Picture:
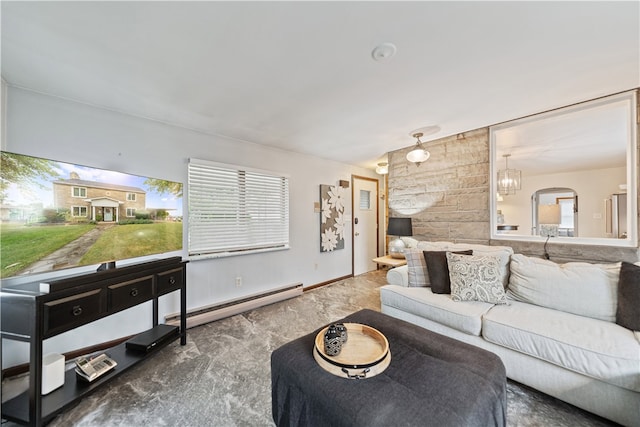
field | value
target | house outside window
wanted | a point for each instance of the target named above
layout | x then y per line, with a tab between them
99	198
79	211
79	192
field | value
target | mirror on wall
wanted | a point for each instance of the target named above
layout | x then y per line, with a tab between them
585	152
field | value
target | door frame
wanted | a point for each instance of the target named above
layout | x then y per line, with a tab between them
353	239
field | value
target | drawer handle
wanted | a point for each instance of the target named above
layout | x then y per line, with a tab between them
172	280
134	292
77	310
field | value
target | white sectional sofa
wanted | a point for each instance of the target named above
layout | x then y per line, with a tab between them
554	328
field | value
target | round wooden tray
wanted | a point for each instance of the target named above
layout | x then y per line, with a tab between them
364	355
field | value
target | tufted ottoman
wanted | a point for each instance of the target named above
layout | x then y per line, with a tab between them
432	380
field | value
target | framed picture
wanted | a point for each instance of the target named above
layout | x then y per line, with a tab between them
332	201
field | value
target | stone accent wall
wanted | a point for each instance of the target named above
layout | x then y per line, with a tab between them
447	196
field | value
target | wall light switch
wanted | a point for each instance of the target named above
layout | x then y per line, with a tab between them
316	207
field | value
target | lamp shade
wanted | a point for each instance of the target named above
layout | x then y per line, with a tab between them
400	227
549	214
418	155
382	168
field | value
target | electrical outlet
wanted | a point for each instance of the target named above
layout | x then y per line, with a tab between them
238	281
315	266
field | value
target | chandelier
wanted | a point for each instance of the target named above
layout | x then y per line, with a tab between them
509	180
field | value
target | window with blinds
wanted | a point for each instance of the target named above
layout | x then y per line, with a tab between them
365	200
235	210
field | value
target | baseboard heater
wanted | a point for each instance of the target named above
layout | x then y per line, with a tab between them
202	315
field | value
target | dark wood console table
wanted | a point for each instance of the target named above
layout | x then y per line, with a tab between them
32	314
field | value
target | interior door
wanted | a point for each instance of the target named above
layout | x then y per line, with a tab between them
365	224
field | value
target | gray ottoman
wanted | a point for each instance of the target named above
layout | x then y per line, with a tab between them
432	380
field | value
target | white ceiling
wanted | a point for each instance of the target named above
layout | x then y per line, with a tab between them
300	75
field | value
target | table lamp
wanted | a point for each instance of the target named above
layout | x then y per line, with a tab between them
549	219
398	227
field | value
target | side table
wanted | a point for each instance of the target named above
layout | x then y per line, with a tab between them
389	261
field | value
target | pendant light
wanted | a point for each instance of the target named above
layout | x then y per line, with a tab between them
382	168
509	180
418	154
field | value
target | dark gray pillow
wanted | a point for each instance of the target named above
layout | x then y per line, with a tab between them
438	270
628	313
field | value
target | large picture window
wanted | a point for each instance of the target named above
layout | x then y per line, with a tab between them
235	210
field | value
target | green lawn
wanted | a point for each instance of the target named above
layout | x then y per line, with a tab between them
132	240
20	245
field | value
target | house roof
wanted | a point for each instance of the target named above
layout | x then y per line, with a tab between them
101	185
303	76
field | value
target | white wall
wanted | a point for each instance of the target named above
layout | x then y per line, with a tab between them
67	131
592	188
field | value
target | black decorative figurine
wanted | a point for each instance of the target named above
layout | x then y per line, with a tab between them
343	331
333	340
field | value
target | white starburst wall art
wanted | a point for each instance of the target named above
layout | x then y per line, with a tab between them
332	200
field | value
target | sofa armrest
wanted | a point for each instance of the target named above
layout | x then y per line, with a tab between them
398	276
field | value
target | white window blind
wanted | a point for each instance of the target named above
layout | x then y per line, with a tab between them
365	200
235	210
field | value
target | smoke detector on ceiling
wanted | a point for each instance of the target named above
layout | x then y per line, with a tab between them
383	52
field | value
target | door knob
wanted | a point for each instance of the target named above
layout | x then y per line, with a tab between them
357	234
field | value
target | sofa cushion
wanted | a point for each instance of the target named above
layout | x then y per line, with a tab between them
417	266
398	276
628	312
409	242
438	270
503	253
597	349
575	287
475	278
463	316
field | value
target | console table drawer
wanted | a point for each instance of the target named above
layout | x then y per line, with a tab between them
170	280
73	311
127	294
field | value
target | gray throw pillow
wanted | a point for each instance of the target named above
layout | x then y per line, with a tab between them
438	270
628	312
416	268
476	278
